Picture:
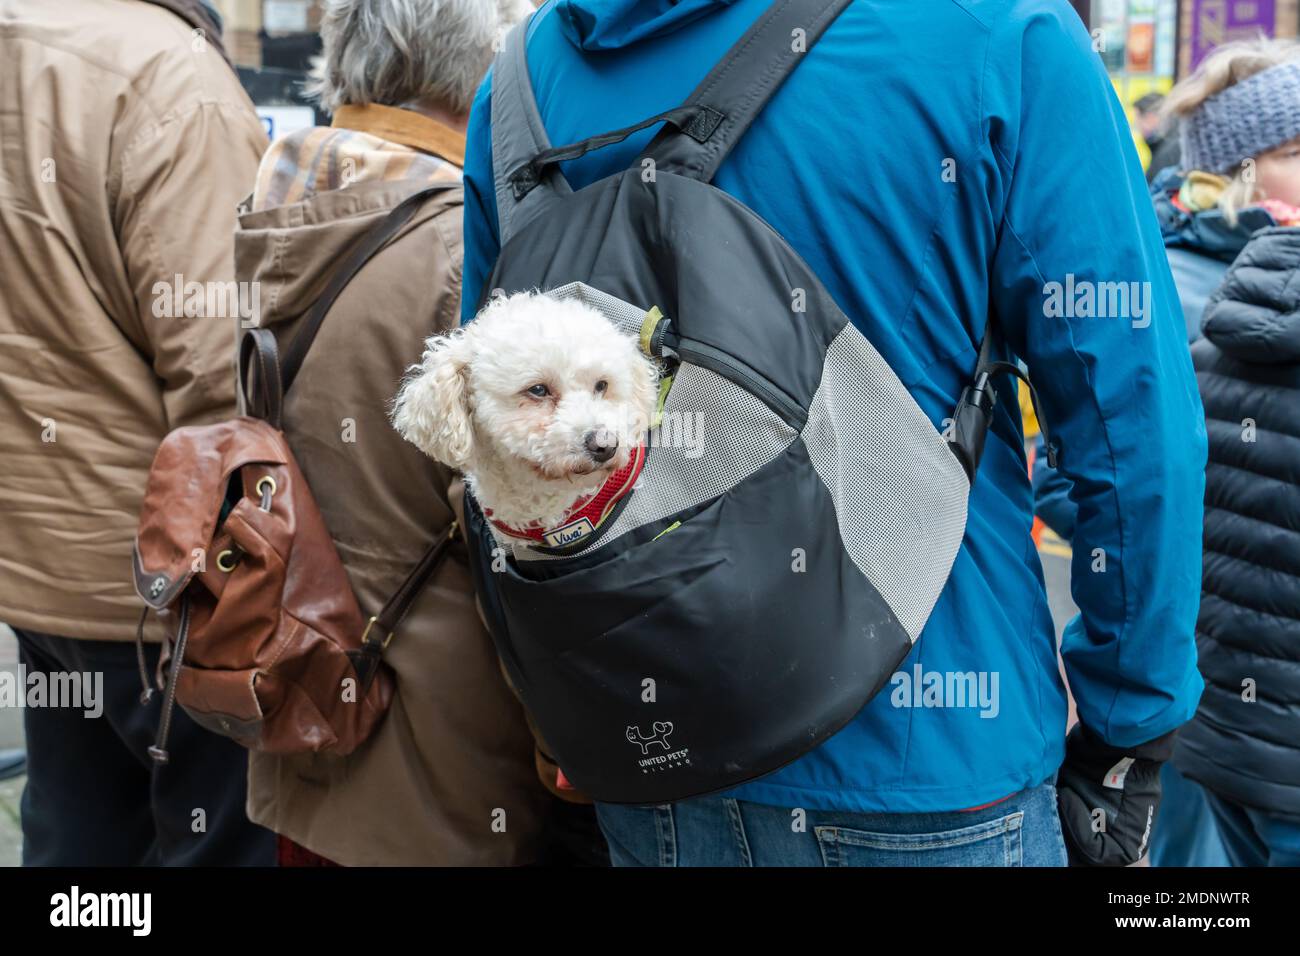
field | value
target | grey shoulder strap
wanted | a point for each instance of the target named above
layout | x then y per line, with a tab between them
742	83
517	134
696	136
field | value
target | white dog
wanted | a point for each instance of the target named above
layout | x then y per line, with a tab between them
539	402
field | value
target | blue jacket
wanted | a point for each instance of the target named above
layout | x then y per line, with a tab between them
930	161
1199	246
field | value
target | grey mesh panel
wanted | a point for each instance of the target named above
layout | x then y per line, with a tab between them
624	315
899	492
714	435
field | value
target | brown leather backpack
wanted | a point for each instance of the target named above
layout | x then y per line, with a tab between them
265	642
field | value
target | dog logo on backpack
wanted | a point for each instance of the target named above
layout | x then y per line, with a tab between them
661	729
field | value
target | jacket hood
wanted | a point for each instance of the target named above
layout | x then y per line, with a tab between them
290	251
1255	314
614	24
1206	233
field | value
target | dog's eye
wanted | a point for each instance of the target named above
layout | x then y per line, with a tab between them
601	386
539	391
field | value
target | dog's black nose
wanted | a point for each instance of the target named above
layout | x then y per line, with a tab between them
601	445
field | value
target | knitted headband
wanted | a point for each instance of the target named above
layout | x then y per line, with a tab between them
1248	118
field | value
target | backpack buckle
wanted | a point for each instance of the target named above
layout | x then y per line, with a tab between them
365	635
523	180
970	424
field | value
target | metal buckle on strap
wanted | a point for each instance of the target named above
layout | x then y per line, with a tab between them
365	635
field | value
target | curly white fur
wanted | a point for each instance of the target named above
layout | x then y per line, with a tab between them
537	401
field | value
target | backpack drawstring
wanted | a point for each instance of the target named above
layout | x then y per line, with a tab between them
146	690
159	750
266	489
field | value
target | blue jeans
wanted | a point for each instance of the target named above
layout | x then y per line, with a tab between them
1022	830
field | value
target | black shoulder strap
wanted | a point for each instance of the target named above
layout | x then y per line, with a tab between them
700	133
739	87
264	384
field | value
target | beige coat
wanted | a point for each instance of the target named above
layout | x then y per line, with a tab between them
125	145
448	777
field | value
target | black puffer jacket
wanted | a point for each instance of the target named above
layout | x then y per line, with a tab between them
1244	742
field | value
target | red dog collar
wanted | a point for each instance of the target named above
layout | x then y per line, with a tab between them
586	514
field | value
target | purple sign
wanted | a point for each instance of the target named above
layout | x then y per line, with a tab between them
1215	22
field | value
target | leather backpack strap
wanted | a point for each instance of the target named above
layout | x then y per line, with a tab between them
259	376
381	627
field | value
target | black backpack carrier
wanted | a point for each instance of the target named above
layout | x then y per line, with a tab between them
759	586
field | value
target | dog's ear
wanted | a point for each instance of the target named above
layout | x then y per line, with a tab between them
432	408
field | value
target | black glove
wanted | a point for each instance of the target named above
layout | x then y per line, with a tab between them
1108	797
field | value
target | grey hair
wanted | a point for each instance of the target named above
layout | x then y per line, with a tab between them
394	52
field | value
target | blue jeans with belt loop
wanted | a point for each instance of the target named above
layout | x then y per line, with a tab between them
1022	830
